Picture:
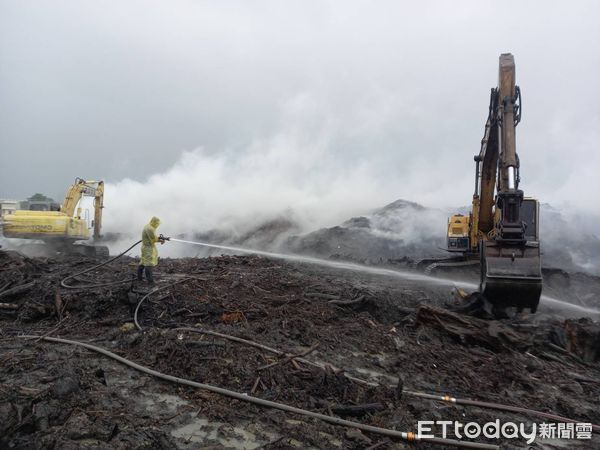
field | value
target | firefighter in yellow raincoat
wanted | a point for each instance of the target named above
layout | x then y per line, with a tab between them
149	251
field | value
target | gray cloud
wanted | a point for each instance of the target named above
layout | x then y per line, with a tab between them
229	108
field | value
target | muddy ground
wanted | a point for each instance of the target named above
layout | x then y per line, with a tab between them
373	327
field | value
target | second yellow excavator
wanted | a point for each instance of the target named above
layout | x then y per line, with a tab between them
65	230
502	229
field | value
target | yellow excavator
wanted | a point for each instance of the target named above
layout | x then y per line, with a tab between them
65	230
502	228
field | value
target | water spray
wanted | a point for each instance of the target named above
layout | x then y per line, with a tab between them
406	275
337	264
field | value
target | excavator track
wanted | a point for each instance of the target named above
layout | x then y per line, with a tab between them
92	251
432	268
423	263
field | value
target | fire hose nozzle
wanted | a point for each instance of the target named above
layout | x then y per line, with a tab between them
163	238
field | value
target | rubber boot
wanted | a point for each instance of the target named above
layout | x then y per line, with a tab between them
149	275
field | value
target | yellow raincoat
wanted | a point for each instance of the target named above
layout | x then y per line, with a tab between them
149	240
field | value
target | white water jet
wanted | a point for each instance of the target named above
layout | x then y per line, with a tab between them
548	301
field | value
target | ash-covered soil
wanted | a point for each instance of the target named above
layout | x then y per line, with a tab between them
375	328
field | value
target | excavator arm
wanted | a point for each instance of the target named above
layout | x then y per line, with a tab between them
98	206
85	188
497	162
510	255
486	165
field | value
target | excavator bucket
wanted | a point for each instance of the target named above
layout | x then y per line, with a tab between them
511	276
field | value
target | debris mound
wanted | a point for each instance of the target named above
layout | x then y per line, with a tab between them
322	339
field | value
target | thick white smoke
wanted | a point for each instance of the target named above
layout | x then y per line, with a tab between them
307	173
303	172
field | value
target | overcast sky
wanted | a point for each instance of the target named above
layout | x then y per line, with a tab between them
355	103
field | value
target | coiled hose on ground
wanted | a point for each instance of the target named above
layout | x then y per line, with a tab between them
153	291
64	284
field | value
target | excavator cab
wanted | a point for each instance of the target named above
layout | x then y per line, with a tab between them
530	213
458	233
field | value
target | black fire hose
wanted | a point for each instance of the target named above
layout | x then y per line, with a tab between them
157	289
500	407
441	398
407	436
64	284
